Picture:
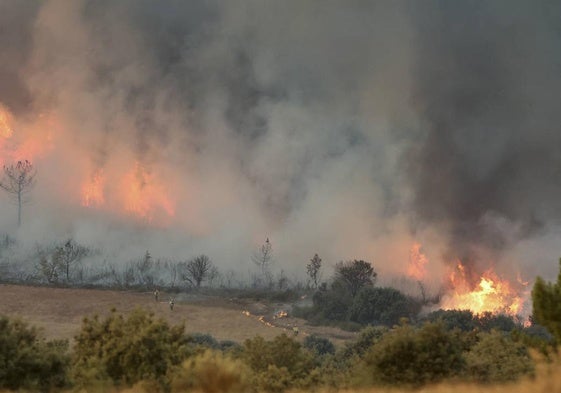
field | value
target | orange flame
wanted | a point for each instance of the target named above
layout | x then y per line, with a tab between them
6	131
92	191
144	196
417	261
5	123
490	294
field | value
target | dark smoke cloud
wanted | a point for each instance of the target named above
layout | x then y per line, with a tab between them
344	129
486	89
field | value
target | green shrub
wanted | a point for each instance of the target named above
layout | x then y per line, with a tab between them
488	321
119	350
212	372
279	363
28	361
454	319
333	304
206	341
319	345
497	358
546	301
366	338
466	321
382	306
413	357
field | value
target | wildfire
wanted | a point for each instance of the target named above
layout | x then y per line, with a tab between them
5	123
417	262
92	190
144	196
489	294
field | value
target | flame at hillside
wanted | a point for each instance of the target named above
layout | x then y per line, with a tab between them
489	293
93	190
5	123
467	289
417	263
144	195
25	142
6	132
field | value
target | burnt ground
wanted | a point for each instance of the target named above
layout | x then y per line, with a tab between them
60	311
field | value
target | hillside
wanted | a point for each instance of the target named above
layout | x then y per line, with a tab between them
59	312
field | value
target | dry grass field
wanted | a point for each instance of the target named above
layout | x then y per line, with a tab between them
59	312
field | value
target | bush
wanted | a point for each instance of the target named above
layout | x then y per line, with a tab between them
212	372
278	364
319	345
497	358
488	321
453	319
207	341
121	350
30	362
466	321
382	306
333	304
366	338
413	357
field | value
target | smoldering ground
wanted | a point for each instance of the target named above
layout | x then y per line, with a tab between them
349	130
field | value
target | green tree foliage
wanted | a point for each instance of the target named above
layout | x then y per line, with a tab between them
453	319
332	304
546	301
382	306
212	372
207	341
466	321
413	357
319	345
497	358
367	337
279	364
126	350
355	275
28	361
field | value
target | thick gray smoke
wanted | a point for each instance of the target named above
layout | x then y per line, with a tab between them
486	87
347	129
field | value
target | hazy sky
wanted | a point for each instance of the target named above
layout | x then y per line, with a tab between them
349	129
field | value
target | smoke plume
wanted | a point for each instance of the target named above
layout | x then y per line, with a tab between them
345	129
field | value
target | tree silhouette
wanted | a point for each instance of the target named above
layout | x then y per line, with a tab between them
546	301
313	268
355	274
17	181
263	257
198	269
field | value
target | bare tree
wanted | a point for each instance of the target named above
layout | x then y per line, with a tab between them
263	257
49	266
69	254
197	270
314	270
146	270
18	180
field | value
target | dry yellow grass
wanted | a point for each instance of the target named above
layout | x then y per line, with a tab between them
59	312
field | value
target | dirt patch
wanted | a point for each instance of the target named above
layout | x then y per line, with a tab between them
59	312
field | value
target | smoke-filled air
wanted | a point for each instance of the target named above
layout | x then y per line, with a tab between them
422	137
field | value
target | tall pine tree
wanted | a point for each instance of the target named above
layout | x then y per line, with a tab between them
546	302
